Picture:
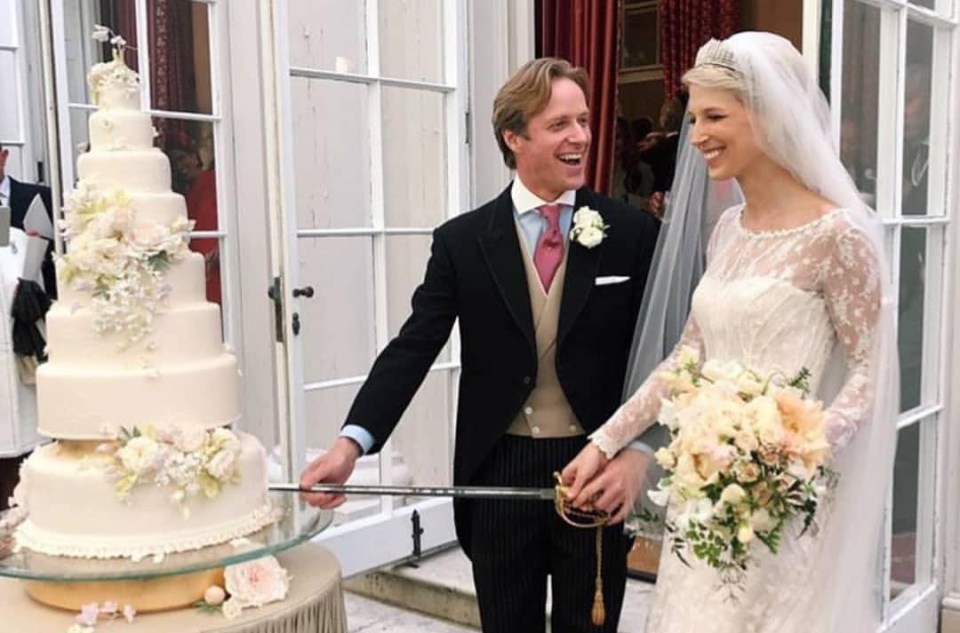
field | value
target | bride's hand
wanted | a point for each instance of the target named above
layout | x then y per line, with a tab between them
580	471
615	489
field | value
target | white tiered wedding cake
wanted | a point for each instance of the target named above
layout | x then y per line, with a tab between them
139	389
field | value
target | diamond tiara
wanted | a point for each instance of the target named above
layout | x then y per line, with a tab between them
716	53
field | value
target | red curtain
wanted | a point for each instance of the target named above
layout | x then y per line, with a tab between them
172	77
585	32
684	27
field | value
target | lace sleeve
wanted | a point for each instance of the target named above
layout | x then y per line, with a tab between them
852	289
638	413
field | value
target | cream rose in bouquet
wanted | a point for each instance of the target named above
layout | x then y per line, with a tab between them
747	458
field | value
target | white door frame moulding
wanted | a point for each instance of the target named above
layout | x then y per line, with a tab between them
951	442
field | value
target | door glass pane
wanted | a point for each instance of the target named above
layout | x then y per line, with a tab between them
421	442
328	35
916	118
210	248
337	323
929	4
8	23
414	146
913	245
906	479
10	112
192	153
118	15
325	410
860	94
332	154
406	262
179	34
411	40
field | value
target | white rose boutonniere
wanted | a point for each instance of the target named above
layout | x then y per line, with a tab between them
588	227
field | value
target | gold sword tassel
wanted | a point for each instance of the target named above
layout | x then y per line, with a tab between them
585	519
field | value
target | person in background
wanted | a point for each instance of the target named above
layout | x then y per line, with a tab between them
19	196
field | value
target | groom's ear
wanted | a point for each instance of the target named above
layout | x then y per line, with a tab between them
512	140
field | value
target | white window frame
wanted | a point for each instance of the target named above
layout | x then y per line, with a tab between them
916	608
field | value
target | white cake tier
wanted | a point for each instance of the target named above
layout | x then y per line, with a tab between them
134	171
181	334
112	130
73	509
160	207
111	98
79	402
185	278
117	97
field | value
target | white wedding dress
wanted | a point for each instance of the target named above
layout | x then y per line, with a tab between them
775	301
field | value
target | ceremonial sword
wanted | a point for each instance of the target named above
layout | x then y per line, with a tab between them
462	492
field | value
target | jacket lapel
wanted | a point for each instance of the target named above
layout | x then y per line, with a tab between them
582	263
501	248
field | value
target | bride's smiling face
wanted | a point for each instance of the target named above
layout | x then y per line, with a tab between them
720	127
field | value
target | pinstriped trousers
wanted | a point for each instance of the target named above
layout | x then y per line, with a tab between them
517	545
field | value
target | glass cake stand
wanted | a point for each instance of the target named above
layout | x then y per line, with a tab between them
298	523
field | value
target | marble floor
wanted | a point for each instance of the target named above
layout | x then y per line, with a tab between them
451	570
369	616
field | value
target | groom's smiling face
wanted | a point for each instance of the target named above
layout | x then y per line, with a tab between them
551	154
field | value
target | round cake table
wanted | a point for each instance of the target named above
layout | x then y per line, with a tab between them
314	605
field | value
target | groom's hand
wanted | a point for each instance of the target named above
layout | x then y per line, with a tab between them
333	467
615	489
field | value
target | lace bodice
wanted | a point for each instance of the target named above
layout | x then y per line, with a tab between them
776	301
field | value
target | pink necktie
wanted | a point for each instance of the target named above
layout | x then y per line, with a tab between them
549	252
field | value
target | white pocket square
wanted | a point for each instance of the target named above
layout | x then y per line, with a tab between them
612	279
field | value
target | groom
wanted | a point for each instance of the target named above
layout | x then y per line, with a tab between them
546	318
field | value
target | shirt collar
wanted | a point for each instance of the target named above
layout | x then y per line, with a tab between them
525	200
5	189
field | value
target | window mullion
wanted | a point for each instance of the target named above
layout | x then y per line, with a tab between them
378	215
143	54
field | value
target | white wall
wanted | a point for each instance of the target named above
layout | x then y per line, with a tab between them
501	40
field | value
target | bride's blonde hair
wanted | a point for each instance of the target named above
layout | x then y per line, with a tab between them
708	76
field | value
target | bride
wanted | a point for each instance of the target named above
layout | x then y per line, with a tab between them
794	279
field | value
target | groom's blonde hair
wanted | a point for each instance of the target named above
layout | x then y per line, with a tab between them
526	93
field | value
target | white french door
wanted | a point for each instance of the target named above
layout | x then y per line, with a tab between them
365	107
890	86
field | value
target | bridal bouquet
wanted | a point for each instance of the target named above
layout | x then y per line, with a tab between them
747	457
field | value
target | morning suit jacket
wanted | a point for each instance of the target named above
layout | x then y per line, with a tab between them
475	274
21	195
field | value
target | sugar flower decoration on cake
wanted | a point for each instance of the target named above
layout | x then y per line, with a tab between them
119	259
254	584
189	461
91	613
588	227
115	73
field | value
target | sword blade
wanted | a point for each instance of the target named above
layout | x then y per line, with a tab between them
464	492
